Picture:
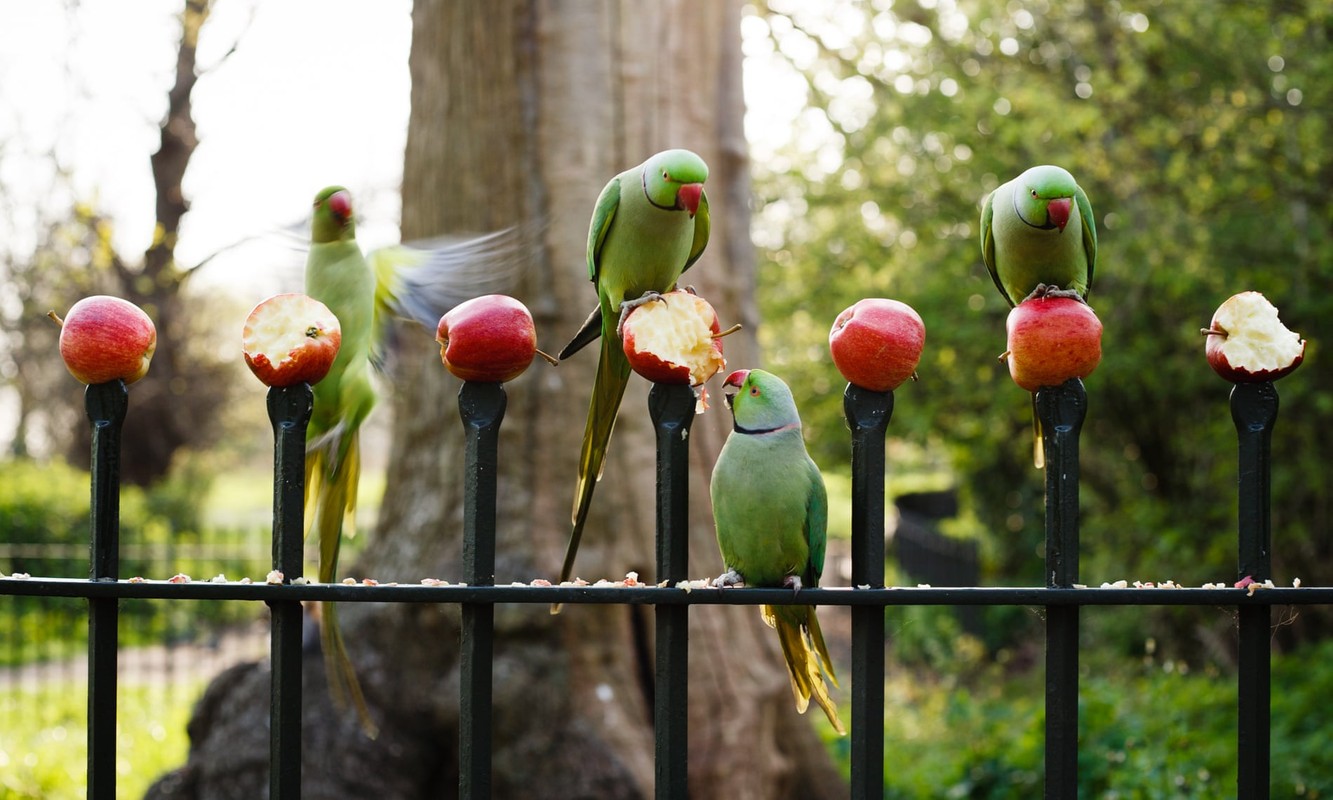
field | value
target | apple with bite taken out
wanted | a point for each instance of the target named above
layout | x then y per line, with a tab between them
488	339
676	339
1247	343
1051	340
876	343
105	338
290	339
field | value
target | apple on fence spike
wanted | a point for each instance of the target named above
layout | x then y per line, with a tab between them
1051	340
290	339
488	339
876	343
104	338
675	340
1247	343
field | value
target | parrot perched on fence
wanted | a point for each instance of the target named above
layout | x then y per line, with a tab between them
650	224
1038	236
364	293
771	511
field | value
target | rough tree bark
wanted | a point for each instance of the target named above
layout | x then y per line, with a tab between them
521	110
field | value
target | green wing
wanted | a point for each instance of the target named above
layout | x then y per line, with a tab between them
605	211
702	229
1089	232
988	243
816	524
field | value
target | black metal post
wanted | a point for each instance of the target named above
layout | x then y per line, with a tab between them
105	404
482	407
289	410
868	415
1061	410
672	410
1254	410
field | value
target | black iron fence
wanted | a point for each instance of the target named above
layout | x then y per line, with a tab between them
1061	409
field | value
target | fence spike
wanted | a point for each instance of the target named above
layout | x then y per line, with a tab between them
868	414
482	408
672	409
1061	410
106	404
289	409
1254	410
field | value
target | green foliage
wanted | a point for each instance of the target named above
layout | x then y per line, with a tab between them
1203	141
44	530
1152	731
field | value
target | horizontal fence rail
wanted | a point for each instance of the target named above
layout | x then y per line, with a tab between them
1061	410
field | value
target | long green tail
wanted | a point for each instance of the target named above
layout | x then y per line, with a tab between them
804	651
607	390
332	474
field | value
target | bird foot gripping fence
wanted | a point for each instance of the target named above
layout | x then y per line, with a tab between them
1061	410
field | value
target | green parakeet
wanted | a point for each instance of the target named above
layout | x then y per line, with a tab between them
650	224
771	511
1036	230
1038	236
364	293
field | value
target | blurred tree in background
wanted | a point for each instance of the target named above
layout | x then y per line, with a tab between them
181	402
1203	141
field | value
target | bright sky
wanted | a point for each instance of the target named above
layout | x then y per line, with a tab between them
305	101
316	93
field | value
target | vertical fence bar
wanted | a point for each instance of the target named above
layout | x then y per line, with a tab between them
289	410
672	410
868	415
1061	410
482	407
1254	410
105	404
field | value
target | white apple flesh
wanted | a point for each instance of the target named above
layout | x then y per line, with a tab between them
675	340
290	339
1246	342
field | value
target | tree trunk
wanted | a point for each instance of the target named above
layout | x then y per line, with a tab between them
520	114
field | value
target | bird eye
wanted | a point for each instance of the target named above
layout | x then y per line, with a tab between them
754	391
666	176
1034	194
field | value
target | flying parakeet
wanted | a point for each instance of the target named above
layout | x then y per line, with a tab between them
771	510
364	292
650	224
1038	236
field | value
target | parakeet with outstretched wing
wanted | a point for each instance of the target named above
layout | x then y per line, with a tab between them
771	512
365	292
650	224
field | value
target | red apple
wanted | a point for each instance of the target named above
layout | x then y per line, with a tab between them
1052	339
106	338
488	339
290	339
876	343
677	340
1247	343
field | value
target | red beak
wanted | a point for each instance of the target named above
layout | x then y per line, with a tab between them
736	378
1057	212
687	197
340	205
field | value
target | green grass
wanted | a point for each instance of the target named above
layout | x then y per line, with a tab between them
43	753
244	498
